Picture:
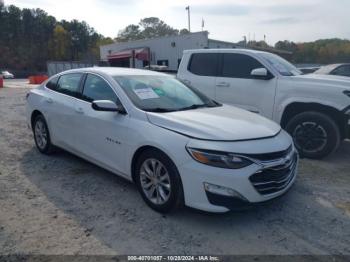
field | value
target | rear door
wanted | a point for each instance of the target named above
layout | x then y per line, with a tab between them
102	135
201	72
237	87
60	104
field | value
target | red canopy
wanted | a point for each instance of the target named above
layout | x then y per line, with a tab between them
140	53
122	54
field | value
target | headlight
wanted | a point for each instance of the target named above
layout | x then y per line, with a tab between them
219	159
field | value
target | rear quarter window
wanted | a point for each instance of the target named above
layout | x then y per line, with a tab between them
69	84
204	64
52	83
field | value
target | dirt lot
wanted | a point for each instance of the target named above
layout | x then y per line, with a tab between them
62	204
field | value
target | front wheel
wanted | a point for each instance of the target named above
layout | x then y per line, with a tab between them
315	135
158	181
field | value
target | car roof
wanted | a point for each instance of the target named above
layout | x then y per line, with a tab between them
115	71
328	68
224	50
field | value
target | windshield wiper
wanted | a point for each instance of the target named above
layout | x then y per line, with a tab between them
159	110
194	106
165	110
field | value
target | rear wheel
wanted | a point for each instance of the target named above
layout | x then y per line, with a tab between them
42	135
315	135
158	181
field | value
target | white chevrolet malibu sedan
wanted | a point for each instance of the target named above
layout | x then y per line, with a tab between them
177	145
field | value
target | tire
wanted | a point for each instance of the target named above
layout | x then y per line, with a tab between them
315	134
162	200
42	135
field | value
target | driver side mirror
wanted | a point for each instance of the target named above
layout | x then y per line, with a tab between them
261	73
107	106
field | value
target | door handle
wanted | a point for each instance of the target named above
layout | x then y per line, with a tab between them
188	82
223	84
49	100
79	110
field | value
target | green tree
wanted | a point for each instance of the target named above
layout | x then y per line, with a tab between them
30	37
286	45
59	44
149	27
154	27
129	33
184	31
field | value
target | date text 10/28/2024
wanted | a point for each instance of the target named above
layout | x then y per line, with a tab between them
173	258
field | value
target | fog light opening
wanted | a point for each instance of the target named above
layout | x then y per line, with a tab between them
221	190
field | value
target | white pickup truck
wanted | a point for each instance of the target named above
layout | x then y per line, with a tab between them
314	109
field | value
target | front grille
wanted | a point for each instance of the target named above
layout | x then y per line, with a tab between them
274	179
270	156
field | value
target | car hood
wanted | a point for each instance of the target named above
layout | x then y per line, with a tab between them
224	123
329	80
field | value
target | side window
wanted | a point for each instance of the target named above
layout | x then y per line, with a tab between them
95	88
205	64
342	71
239	65
69	84
52	84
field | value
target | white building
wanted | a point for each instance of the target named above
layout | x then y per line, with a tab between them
165	51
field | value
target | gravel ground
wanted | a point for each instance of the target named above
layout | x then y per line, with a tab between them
61	204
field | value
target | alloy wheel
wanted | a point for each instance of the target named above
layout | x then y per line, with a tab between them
155	181
40	134
310	137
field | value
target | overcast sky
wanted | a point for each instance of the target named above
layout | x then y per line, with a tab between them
229	20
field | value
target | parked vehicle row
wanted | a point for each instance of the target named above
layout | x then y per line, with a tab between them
335	69
7	75
314	108
175	143
175	140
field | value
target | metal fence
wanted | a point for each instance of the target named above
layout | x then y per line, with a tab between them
54	67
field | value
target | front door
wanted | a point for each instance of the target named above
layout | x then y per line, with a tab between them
237	87
102	134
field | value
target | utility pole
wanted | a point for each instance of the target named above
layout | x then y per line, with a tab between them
245	40
189	19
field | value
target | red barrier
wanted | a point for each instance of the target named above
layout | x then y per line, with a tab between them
37	80
31	80
1	81
41	79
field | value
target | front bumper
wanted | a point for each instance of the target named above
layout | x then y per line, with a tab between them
195	176
234	203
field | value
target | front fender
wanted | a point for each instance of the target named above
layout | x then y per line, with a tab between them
280	107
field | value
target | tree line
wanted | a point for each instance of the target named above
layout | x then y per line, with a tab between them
324	51
30	37
148	27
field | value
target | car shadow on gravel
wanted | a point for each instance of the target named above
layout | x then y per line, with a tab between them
111	209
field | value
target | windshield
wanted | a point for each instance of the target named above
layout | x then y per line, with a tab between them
326	69
162	93
281	65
